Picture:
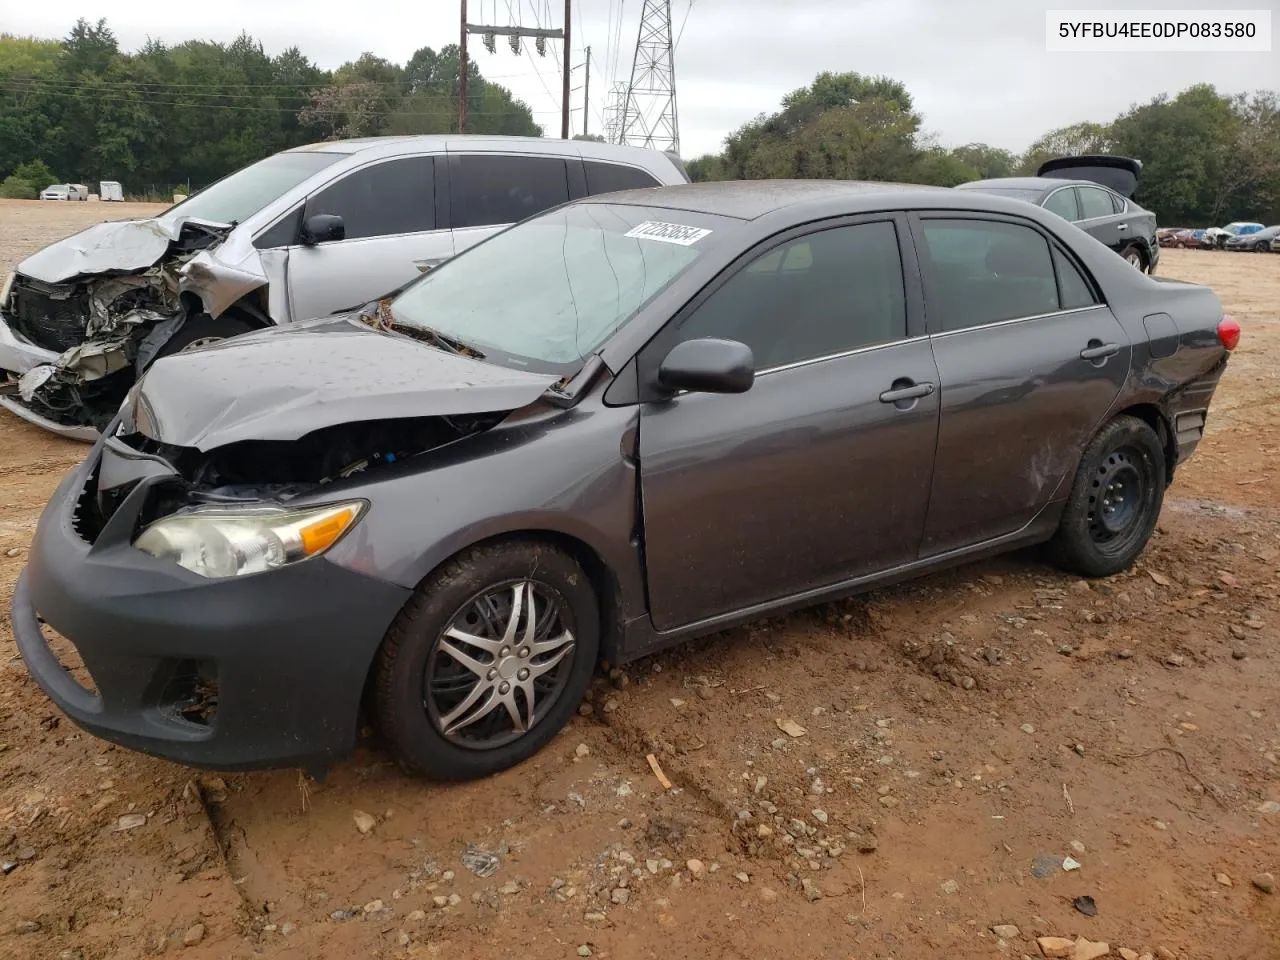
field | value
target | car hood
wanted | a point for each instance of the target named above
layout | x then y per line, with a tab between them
285	382
1121	174
115	245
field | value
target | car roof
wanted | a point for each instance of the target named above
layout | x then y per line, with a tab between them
750	199
391	146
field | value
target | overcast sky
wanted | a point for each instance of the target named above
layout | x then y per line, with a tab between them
978	69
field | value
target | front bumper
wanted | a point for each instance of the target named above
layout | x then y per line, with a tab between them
286	652
17	356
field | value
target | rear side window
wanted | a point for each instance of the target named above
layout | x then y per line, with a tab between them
1095	203
1073	287
1063	203
986	271
386	199
608	177
499	189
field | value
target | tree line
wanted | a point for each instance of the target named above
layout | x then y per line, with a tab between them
1208	157
165	117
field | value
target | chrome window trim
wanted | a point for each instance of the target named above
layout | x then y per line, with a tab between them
1013	320
838	356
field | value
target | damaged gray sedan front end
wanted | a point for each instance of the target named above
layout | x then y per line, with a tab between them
80	319
80	315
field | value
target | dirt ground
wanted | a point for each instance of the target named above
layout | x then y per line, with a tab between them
961	736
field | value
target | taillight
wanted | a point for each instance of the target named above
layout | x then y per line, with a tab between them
1228	331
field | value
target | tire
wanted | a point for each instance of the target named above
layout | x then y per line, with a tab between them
201	330
420	692
1127	450
1137	259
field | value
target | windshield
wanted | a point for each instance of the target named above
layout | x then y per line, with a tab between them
548	292
235	198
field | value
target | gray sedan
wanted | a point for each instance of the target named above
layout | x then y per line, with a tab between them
628	421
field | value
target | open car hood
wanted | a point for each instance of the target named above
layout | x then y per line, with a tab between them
285	382
1121	174
113	246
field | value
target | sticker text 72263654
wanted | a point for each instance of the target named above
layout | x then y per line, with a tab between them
685	236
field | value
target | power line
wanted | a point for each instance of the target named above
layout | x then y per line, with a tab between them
687	10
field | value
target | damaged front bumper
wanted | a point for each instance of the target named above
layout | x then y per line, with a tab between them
17	356
248	672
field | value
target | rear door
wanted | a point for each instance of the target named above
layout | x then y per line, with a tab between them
390	213
821	471
490	191
1100	219
1030	361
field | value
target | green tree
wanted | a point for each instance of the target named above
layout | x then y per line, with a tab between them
986	162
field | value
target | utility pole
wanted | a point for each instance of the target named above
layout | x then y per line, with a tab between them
586	95
462	74
564	96
539	35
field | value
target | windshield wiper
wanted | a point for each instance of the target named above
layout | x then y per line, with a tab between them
437	339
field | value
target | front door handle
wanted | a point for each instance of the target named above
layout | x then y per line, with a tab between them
430	264
1122	226
1097	350
906	390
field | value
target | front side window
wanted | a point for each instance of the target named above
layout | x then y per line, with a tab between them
499	189
237	197
1095	202
986	271
383	200
547	293
816	296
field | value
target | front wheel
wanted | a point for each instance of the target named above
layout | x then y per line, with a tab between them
201	330
487	661
1114	502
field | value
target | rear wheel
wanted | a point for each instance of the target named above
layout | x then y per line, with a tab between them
1133	254
487	661
1115	500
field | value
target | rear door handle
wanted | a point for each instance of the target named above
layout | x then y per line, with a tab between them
1098	351
913	391
1122	226
426	265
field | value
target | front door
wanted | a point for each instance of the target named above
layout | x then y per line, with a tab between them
389	212
821	471
1030	362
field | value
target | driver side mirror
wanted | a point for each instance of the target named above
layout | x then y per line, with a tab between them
322	228
708	366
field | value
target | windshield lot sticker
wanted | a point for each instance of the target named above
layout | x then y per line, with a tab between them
667	233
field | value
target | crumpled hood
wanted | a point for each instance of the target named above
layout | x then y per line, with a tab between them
285	382
117	245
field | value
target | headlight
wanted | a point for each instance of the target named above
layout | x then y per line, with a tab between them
6	287
220	542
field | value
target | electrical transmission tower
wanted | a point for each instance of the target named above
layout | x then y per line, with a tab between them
649	116
613	111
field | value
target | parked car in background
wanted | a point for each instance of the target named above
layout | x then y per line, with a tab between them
1217	237
111	190
812	387
1186	238
1256	242
298	235
1275	245
56	191
1165	235
1095	193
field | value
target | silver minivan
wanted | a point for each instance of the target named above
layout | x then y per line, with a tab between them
302	234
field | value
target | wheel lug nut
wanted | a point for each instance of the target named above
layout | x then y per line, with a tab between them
524	651
523	675
505	688
492	674
505	651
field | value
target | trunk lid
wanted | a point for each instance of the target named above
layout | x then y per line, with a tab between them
1120	174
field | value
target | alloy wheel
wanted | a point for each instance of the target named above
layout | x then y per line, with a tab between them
199	342
500	666
1135	260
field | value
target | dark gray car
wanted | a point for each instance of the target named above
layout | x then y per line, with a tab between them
628	421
